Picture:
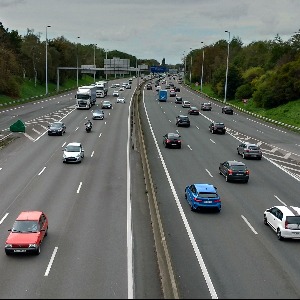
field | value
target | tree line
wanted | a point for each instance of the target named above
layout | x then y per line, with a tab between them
24	58
268	72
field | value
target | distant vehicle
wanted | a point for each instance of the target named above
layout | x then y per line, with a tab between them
106	104
120	99
193	110
56	128
186	104
149	87
178	100
102	88
162	95
177	89
27	233
128	86
85	97
172	140
284	220
116	93
206	106
172	93
202	195
98	114
249	150
227	110
217	127
234	170
182	120
73	153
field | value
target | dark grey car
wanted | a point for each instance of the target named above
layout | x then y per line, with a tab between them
56	128
234	170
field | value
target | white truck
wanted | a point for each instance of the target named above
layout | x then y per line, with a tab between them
86	97
102	89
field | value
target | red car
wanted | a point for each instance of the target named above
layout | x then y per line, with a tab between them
193	110
27	233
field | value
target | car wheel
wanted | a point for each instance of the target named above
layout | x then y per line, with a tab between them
38	250
238	152
278	232
265	221
166	146
7	253
179	147
192	207
259	158
246	181
220	172
46	232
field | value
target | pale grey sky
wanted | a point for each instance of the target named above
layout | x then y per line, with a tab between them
153	28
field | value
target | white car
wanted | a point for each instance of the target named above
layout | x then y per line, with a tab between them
186	104
121	88
120	100
284	220
116	93
73	153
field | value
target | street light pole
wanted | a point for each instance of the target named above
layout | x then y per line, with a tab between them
105	65
77	57
95	62
202	66
225	94
47	60
191	67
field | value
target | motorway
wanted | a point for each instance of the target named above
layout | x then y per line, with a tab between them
100	242
99	245
231	254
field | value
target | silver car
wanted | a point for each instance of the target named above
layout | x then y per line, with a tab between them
249	150
98	114
73	153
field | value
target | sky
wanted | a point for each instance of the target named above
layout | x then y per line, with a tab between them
153	29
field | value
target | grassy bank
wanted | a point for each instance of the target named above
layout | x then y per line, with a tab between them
288	113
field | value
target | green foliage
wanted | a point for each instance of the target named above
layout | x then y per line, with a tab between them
244	91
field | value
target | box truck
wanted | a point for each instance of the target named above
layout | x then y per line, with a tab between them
102	88
85	97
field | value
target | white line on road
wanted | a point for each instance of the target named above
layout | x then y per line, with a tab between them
51	261
251	227
1	221
208	173
92	154
42	171
279	200
79	187
212	141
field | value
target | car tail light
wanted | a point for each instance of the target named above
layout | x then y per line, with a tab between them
197	200
168	141
286	224
218	200
230	172
247	150
247	172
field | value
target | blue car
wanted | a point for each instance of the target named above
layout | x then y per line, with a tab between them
202	195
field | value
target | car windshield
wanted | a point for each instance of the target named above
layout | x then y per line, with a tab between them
73	149
207	195
98	112
56	125
25	226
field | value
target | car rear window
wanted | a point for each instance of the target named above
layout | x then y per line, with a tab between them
293	220
207	195
238	168
253	147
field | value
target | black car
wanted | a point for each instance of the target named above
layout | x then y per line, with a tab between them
149	87
56	128
178	100
234	171
217	127
177	89
227	110
193	110
182	120
172	140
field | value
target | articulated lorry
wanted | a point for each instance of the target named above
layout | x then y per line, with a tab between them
102	89
86	97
